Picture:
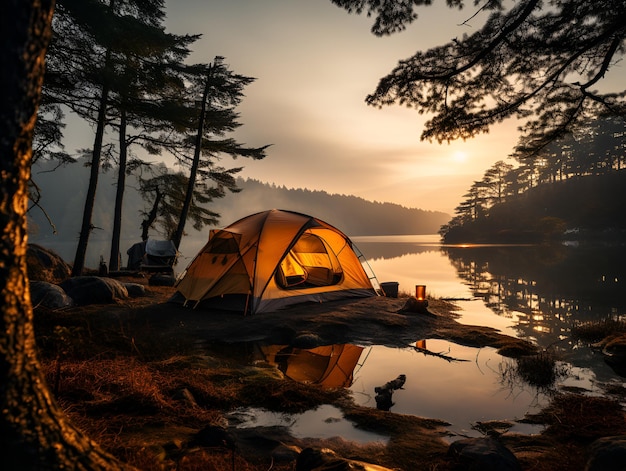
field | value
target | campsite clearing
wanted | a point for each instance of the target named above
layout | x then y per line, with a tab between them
133	375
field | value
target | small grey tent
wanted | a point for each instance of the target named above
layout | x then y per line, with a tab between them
152	255
274	259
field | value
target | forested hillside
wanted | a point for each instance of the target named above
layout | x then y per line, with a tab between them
573	187
63	191
589	207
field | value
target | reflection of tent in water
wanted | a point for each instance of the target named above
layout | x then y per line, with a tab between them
331	366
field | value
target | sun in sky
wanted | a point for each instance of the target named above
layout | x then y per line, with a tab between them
459	156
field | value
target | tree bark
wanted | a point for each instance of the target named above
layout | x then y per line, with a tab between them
35	432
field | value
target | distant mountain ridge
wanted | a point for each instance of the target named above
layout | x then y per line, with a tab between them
353	215
63	195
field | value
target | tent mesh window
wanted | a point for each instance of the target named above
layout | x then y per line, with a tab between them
310	263
224	245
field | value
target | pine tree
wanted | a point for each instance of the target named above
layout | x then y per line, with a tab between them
105	63
537	61
221	91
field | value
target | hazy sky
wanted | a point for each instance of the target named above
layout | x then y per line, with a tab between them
315	64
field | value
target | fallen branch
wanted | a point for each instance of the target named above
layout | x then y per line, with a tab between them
425	351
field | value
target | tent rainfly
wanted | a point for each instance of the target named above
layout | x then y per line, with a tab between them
273	259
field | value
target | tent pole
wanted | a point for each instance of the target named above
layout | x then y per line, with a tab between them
245	311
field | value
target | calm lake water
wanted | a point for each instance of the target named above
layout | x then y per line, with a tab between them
536	293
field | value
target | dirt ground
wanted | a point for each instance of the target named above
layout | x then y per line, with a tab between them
365	321
132	376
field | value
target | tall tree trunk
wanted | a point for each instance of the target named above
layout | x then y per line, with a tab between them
90	199
180	230
146	224
114	260
35	433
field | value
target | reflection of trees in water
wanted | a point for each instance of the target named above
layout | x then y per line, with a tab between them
388	250
548	287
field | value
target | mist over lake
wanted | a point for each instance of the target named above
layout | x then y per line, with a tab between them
353	216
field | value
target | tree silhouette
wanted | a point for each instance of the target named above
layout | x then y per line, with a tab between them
115	66
220	91
165	191
148	80
110	62
539	59
81	79
496	182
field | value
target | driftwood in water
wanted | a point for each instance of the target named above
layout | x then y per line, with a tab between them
425	351
385	392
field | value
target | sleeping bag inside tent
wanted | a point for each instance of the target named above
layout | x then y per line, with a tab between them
273	259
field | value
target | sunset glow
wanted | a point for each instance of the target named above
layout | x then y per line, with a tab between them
459	156
314	66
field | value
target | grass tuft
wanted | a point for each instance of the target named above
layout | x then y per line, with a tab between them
595	331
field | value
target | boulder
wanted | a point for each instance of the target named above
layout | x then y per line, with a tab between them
94	290
49	295
135	290
213	436
286	453
484	453
46	265
414	305
306	340
162	279
607	454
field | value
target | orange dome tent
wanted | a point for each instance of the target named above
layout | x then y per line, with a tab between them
274	259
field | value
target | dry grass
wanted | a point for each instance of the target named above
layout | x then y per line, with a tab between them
145	399
591	332
541	370
575	418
